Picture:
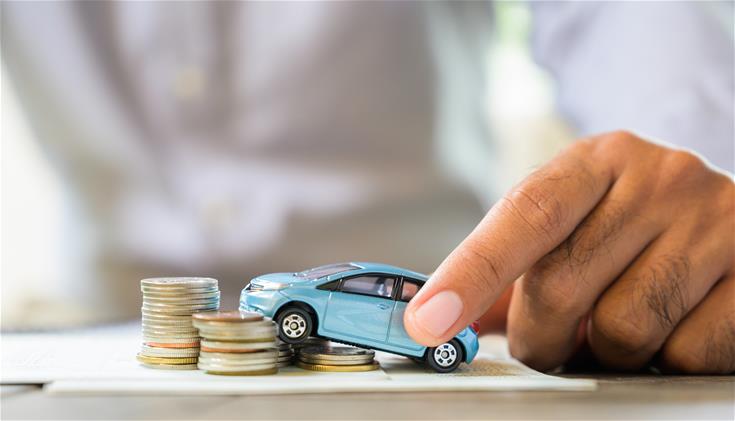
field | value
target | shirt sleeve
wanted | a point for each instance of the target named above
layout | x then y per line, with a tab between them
662	69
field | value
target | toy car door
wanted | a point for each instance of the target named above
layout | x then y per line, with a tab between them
397	334
361	309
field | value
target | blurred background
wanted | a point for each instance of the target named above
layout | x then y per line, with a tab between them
230	139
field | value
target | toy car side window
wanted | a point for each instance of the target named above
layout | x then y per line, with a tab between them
410	289
375	285
329	286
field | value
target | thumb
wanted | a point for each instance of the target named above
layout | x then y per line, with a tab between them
526	224
461	290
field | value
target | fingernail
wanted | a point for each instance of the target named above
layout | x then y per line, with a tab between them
439	313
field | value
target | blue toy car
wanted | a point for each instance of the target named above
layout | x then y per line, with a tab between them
359	304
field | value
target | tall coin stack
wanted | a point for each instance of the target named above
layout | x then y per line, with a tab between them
170	341
337	358
237	343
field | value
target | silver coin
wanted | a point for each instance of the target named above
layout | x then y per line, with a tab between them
234	364
254	333
268	354
310	342
170	366
179	301
206	305
166	317
158	324
177	310
282	364
237	346
150	351
195	282
174	311
337	352
236	331
231	326
160	313
176	294
187	300
169	328
234	327
170	340
242	339
241	368
170	333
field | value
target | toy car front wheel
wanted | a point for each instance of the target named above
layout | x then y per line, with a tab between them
294	325
446	357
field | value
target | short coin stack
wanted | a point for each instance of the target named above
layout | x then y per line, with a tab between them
170	341
285	354
237	343
309	342
337	358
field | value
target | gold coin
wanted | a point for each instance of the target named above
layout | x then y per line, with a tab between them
166	360
171	366
319	361
338	368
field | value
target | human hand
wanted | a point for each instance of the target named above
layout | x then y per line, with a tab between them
617	241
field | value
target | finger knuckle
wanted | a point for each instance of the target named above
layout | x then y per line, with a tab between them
616	141
662	290
688	358
550	293
537	209
682	166
621	331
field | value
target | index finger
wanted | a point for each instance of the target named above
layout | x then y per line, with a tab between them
527	223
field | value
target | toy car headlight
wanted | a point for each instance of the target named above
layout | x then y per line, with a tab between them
259	285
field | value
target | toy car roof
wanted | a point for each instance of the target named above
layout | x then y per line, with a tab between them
382	267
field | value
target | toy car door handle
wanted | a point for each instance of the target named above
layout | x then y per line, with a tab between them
382	306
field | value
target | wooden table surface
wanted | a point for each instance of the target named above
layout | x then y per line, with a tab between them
618	397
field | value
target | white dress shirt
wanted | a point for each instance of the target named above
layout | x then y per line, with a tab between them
229	139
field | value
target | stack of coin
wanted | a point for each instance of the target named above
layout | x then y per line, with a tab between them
237	343
310	342
285	354
170	341
337	358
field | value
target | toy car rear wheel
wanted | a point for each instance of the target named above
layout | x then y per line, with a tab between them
446	357
294	325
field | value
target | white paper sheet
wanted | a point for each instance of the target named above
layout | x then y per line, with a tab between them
102	361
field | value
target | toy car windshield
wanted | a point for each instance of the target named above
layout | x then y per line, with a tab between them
326	270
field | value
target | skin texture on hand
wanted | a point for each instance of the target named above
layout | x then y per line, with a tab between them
618	244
